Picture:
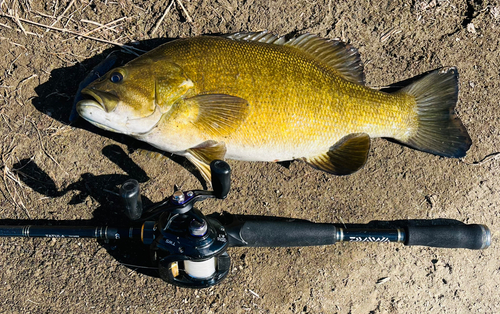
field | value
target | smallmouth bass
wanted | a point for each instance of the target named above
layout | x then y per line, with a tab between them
257	97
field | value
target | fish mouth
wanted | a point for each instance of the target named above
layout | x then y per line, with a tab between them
95	105
106	101
103	110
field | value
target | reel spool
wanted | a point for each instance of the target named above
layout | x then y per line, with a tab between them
191	249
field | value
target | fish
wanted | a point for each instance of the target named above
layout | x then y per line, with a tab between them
259	97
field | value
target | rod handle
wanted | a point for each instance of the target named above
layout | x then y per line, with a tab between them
474	237
281	234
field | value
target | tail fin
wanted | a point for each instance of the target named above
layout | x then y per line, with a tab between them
440	131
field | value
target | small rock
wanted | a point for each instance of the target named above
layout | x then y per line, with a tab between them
495	12
471	28
383	280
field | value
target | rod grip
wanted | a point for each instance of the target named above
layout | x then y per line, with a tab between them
474	237
282	234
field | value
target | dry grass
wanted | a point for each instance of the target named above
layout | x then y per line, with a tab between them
12	12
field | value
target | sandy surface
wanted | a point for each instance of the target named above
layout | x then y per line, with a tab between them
57	171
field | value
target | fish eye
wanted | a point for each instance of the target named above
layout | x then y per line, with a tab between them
116	77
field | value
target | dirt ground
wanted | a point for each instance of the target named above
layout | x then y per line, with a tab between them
54	170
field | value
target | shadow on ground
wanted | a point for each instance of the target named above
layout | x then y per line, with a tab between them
105	190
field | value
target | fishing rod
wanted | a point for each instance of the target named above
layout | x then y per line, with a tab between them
190	249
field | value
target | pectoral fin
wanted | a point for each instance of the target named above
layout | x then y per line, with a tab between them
219	114
202	155
345	157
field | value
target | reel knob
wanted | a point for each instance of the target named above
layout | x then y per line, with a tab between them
221	178
131	196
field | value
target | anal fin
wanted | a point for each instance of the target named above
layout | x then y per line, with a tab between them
345	157
202	155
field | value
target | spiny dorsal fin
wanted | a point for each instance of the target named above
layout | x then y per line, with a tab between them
261	37
219	114
345	157
344	59
202	155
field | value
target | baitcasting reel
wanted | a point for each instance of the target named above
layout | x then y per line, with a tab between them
190	249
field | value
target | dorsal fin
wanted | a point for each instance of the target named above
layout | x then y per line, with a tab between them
344	59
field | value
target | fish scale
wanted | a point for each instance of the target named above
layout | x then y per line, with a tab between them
258	97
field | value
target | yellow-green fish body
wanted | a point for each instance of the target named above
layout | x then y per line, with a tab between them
258	97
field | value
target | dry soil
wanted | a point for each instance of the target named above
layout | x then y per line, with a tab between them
54	170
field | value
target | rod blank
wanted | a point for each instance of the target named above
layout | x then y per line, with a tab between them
31	231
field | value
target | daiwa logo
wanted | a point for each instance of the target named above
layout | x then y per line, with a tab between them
368	239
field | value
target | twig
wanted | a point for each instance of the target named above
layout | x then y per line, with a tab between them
189	19
44	150
162	17
5	120
61	16
486	159
64	30
26	79
6	26
22	29
16	19
342	220
138	266
101	26
98	28
255	294
11	42
43	14
96	24
389	33
8	174
55	8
